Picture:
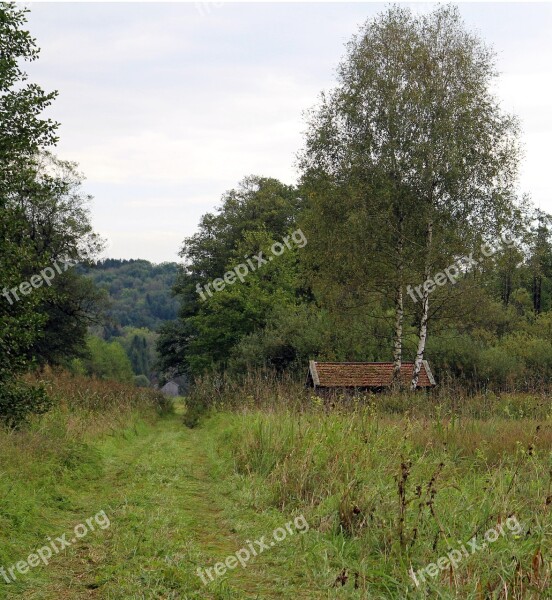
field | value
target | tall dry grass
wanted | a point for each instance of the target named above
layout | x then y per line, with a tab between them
268	391
395	481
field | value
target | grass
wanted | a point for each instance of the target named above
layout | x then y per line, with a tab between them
162	488
44	466
383	487
388	493
390	483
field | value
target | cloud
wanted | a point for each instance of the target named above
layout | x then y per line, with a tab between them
165	109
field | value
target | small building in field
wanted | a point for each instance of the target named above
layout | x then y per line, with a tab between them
171	388
177	386
363	376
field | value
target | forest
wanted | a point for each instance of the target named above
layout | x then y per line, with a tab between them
332	299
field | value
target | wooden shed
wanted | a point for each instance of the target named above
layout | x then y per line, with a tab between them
326	376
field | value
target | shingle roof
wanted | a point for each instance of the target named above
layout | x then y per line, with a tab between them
364	375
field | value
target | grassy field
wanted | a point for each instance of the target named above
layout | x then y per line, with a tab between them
322	502
390	495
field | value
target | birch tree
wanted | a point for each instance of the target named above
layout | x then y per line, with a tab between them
413	111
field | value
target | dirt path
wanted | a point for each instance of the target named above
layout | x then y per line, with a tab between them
167	518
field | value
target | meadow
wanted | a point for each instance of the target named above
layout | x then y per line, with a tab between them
44	463
405	496
392	483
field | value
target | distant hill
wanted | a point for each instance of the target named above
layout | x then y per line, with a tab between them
140	291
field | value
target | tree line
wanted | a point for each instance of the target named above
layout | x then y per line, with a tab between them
409	163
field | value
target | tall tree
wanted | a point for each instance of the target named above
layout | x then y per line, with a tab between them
259	211
43	221
413	124
22	134
55	224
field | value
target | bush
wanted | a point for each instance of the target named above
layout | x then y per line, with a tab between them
194	414
534	353
454	354
108	361
141	381
18	401
499	366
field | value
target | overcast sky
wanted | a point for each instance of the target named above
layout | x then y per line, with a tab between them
166	106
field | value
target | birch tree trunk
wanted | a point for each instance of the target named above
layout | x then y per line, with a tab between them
422	333
397	338
399	309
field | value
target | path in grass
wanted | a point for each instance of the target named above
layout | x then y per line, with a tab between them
168	516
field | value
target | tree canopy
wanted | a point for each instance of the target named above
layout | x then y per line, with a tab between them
409	167
44	223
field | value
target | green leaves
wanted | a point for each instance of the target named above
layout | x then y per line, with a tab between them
22	133
43	218
258	213
20	400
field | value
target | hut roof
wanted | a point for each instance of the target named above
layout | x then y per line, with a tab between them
363	375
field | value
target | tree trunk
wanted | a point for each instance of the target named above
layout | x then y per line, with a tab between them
399	308
397	338
422	333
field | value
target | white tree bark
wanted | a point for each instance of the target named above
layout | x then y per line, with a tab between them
397	338
422	332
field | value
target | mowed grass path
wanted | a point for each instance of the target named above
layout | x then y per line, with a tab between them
170	512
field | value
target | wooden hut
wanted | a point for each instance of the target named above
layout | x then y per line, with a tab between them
362	376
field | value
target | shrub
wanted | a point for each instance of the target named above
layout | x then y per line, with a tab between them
499	366
108	361
19	400
455	354
194	413
141	381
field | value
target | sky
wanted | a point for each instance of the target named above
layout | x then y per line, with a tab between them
167	106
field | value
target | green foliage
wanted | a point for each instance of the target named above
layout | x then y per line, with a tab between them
72	306
391	191
57	223
139	293
195	413
106	360
274	320
259	203
140	346
499	366
409	163
19	400
43	219
292	335
141	381
456	354
252	217
22	134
